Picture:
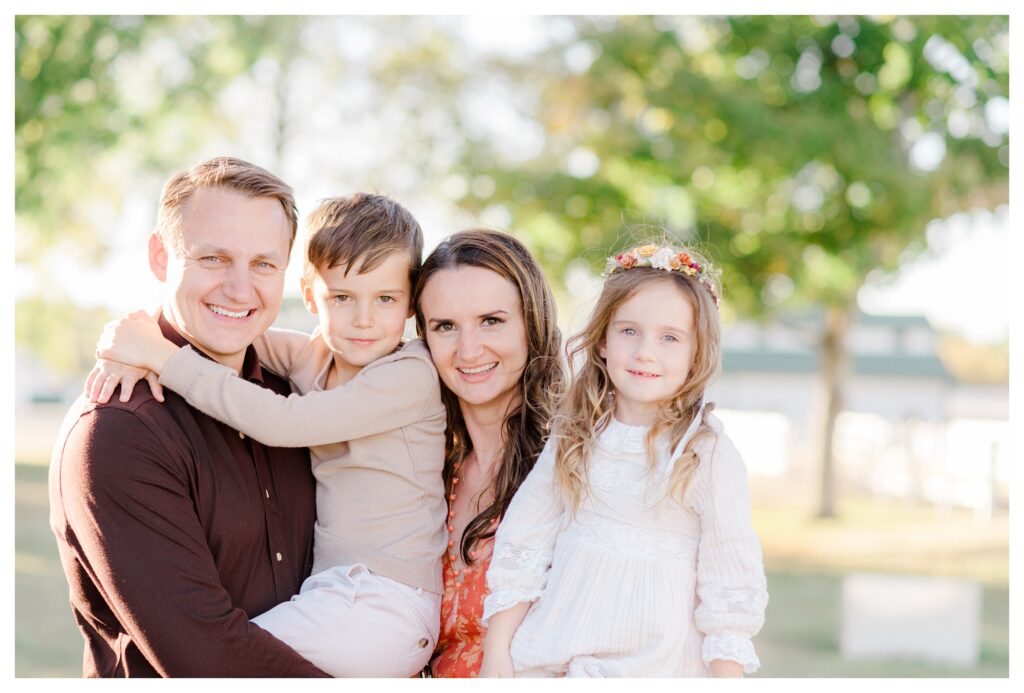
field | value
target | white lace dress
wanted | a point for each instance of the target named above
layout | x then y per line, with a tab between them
631	586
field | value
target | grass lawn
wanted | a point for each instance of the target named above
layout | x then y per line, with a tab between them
46	639
801	634
805	561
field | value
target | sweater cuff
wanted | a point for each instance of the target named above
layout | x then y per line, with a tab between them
182	369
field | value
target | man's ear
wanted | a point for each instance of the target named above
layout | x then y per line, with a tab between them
158	256
307	296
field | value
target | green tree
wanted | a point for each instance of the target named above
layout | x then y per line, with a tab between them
804	153
99	96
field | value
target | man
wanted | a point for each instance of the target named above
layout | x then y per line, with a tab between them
174	529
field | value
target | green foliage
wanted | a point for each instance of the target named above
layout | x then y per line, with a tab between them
63	335
100	99
782	144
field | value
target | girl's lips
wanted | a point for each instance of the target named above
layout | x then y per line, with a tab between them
362	342
642	374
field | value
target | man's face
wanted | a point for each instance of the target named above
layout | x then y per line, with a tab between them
224	289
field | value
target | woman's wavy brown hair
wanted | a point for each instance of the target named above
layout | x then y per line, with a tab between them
589	401
527	425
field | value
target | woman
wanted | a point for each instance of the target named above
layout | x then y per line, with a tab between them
488	318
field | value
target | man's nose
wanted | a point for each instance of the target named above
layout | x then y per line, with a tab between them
238	285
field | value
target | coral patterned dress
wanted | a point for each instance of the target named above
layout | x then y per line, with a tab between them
460	647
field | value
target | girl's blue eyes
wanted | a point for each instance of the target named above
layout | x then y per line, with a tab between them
630	332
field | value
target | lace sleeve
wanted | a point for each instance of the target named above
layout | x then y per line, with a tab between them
524	543
730	569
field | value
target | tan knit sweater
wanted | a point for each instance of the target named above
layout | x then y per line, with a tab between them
376	443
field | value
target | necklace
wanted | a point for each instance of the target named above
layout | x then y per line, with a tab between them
453	553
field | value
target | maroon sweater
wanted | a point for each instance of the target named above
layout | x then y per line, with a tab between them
174	530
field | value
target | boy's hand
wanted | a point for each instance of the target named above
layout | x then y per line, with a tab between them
106	375
135	340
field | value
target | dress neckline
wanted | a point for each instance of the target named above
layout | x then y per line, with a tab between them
624	437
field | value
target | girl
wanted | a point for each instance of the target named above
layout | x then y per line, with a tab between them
628	550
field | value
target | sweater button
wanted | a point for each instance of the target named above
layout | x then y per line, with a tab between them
241	435
423	643
279	557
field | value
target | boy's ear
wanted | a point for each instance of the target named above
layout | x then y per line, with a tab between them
158	256
307	296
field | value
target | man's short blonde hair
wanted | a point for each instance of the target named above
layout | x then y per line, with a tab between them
224	172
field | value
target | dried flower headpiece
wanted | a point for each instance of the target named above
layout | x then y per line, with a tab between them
664	258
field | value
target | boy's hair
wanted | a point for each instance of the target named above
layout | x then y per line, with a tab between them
589	401
364	228
220	172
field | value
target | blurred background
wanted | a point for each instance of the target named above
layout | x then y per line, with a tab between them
849	174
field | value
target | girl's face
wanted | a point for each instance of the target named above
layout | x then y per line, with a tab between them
476	334
649	348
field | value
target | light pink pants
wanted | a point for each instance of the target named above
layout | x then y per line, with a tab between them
351	622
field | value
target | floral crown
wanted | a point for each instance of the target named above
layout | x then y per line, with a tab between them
664	258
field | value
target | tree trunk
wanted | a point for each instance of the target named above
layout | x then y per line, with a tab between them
833	372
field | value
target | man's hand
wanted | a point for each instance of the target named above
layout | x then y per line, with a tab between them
106	375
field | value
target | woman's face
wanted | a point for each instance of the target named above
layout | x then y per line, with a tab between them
476	334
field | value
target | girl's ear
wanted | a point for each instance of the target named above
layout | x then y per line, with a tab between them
307	297
602	349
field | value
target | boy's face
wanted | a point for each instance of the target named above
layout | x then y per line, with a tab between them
362	316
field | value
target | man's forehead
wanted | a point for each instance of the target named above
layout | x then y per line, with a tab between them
224	220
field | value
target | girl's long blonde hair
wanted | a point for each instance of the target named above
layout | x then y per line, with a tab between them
589	402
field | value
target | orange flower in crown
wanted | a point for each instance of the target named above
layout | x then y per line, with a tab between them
626	260
663	258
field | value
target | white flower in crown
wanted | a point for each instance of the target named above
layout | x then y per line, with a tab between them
662	259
